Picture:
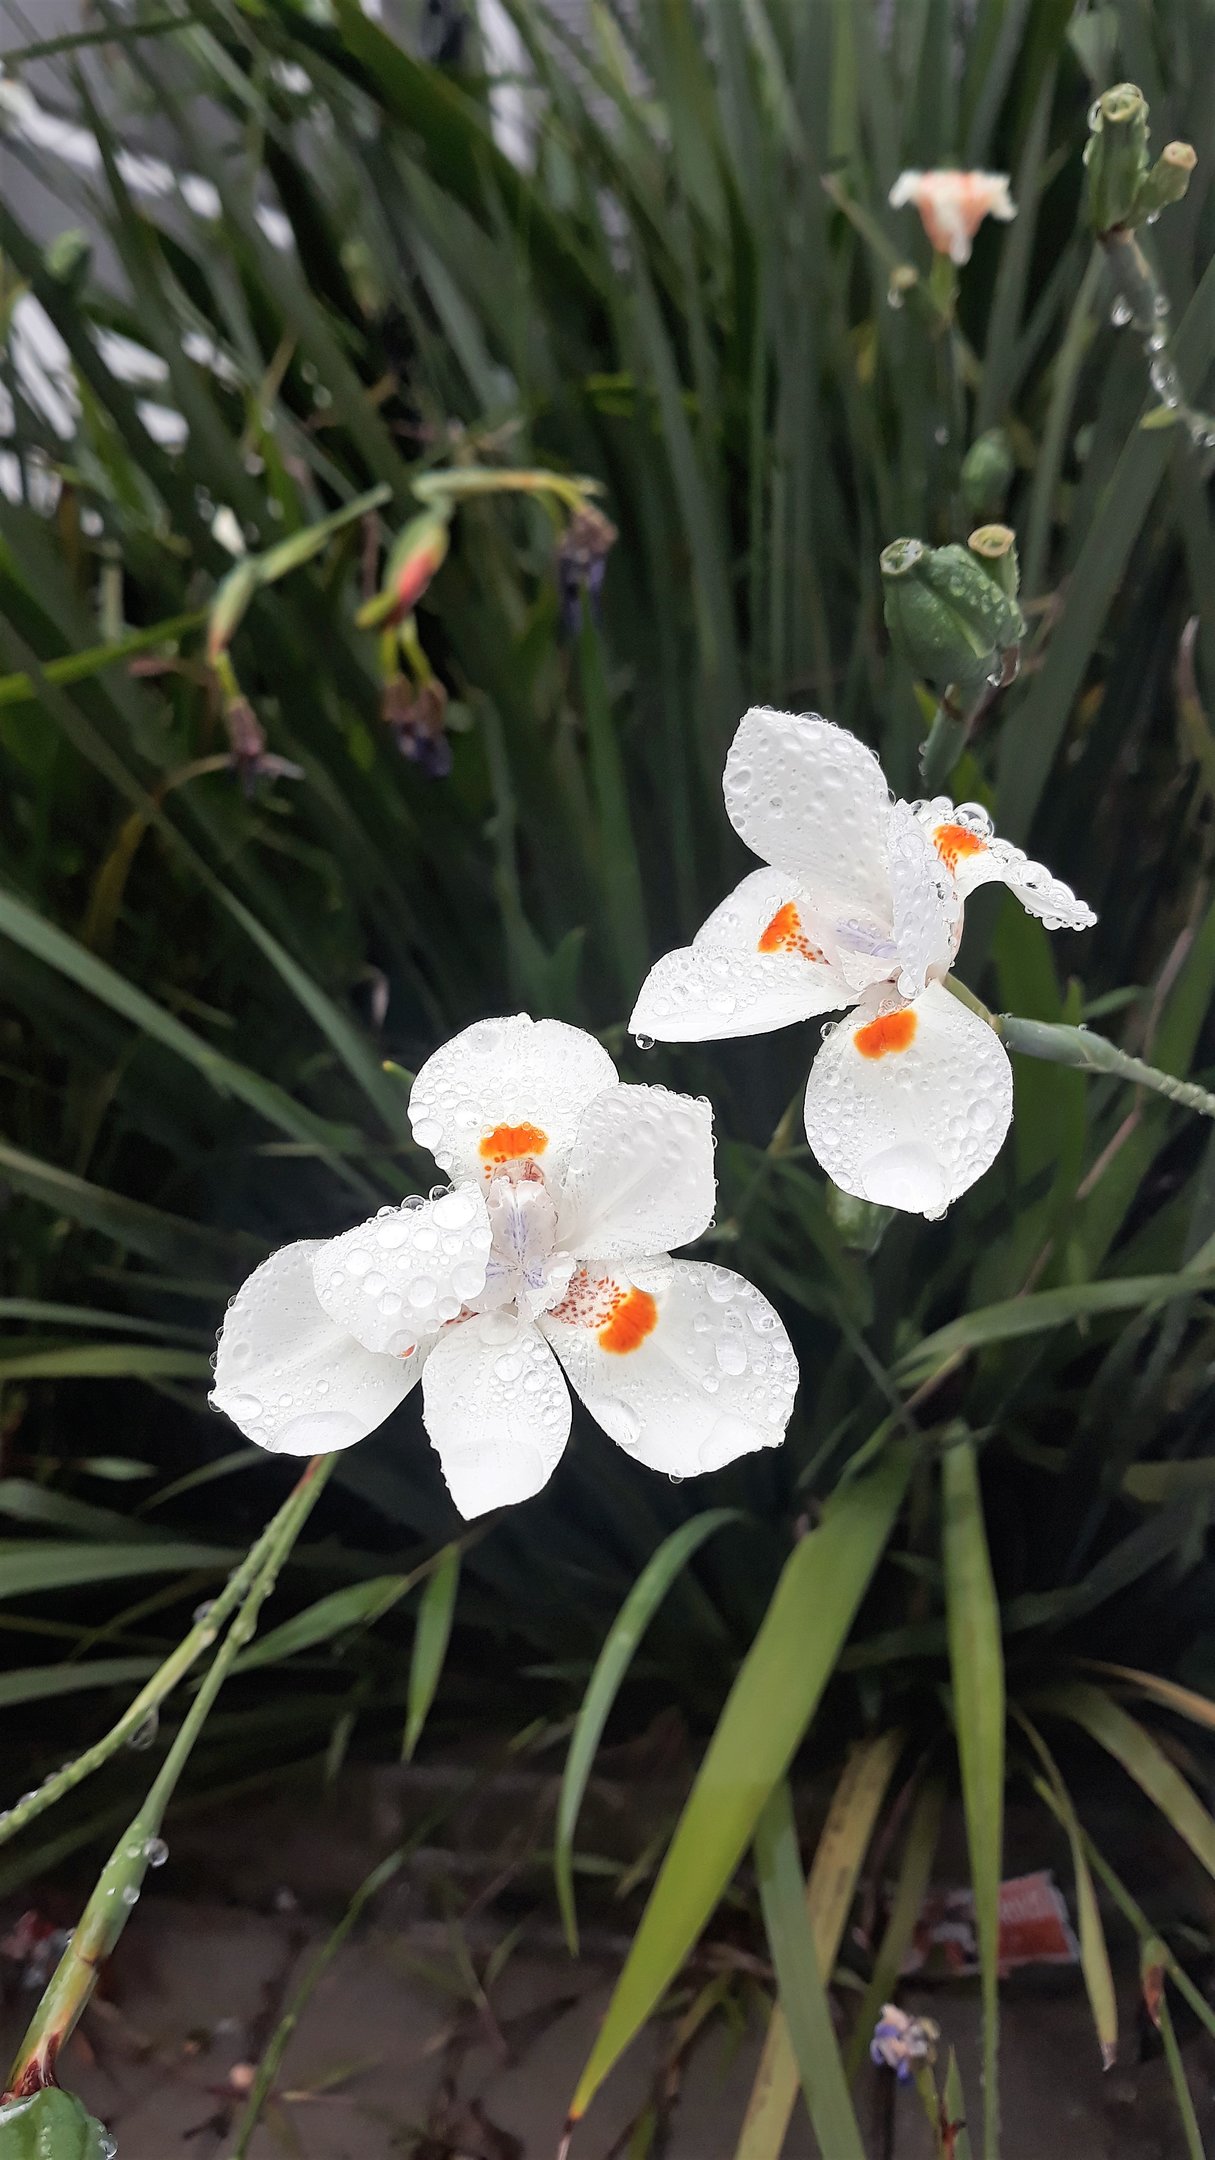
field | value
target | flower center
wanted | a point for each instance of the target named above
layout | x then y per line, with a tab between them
525	1269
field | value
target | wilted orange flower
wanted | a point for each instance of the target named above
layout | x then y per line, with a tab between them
953	205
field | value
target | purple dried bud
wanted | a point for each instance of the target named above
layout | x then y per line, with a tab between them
416	717
249	758
582	565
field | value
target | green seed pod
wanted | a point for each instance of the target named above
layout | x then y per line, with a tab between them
996	548
1116	156
947	614
51	2125
1166	182
987	471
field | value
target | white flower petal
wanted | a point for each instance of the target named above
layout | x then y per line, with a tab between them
927	909
964	840
807	796
909	1106
640	1177
686	1366
407	1271
755	964
288	1377
507	1089
497	1411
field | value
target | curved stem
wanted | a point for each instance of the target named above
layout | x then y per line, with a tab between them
118	1886
162	1683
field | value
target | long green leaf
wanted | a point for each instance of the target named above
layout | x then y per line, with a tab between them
105	1361
830	1888
1043	1310
1141	1757
803	1991
357	1605
611	1666
1094	1954
431	1637
28	1565
35	1683
976	1664
769	1708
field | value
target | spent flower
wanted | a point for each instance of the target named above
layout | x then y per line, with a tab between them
546	1260
953	205
860	906
901	2043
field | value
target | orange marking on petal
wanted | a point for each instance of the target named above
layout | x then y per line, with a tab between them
785	934
634	1316
889	1032
955	841
506	1143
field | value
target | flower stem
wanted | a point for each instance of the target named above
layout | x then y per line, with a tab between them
1092	1053
118	1886
162	1683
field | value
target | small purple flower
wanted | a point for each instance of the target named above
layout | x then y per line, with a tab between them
900	2042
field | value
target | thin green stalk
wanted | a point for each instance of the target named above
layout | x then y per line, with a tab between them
1181	2084
118	1886
1092	1053
202	1635
1058	420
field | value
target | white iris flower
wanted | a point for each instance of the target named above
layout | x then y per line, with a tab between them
546	1260
909	1099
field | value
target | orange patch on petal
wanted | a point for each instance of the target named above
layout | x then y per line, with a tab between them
785	934
507	1143
954	841
634	1316
889	1032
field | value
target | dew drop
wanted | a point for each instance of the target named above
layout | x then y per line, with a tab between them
144	1734
156	1852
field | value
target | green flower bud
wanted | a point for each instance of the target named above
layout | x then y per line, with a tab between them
1116	156
1167	181
947	614
418	551
996	548
51	2125
987	471
68	256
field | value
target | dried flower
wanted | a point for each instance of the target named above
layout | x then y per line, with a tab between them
247	753
901	2042
416	714
586	543
953	205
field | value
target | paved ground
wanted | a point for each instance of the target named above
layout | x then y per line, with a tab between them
461	2039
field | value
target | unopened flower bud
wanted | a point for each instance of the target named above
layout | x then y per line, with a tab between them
232	597
416	555
947	614
987	471
1167	181
1116	156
